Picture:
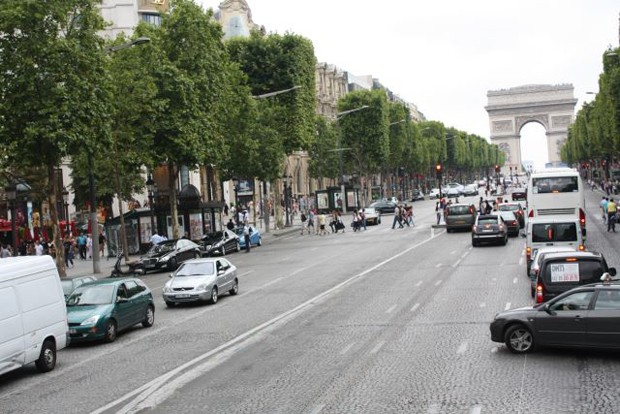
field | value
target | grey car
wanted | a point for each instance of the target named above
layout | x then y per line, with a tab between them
201	280
584	317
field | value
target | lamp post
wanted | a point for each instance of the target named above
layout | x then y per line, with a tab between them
65	199
11	194
150	184
270	94
236	189
343	195
94	223
287	189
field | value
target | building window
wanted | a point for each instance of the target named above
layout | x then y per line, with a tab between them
154	19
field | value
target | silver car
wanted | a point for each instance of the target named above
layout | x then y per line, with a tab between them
201	280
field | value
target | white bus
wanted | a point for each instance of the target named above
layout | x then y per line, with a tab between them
557	191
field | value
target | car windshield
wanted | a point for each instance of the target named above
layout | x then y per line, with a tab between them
195	269
508	215
542	185
91	295
67	286
162	248
213	237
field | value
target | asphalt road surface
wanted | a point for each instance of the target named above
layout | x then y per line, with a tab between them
376	321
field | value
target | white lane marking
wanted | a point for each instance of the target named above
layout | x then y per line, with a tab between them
391	309
160	388
416	306
418	284
494	350
464	255
433	409
457	263
494	279
453	252
438	265
476	409
462	348
377	347
522	252
347	348
514	280
317	409
483	305
508	304
521	260
437	283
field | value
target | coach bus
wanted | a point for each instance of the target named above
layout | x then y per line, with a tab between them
557	191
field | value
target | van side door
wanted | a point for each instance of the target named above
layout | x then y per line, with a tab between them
12	353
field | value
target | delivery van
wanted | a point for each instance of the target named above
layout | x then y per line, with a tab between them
33	315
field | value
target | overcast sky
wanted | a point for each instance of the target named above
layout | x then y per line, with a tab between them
444	55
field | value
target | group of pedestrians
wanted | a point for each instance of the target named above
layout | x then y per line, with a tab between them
609	208
403	215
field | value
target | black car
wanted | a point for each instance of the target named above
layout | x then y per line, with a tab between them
417	195
586	316
219	242
519	194
489	228
167	255
383	206
562	271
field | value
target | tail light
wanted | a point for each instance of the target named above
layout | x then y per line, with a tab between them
582	217
531	213
501	227
474	228
539	293
528	252
582	248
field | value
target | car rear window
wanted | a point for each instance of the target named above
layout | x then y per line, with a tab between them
558	232
508	207
577	272
483	221
454	210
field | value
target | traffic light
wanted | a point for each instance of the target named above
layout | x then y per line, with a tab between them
438	169
496	168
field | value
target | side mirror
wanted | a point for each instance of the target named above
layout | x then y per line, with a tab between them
547	309
171	275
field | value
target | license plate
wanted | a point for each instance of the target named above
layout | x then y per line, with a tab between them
487	231
183	295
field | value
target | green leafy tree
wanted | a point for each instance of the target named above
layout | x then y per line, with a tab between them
53	85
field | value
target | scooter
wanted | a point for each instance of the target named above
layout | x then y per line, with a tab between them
135	268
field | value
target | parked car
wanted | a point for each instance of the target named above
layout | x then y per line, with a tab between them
459	187
515	208
201	280
482	183
101	309
417	195
452	192
434	193
69	285
168	254
383	206
512	223
559	272
256	239
459	216
372	216
220	242
519	194
470	190
489	228
584	317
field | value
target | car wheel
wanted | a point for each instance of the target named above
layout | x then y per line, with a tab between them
47	357
149	317
110	331
504	240
214	296
260	241
171	304
449	230
235	288
172	263
519	339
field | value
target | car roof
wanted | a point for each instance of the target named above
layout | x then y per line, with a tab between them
115	281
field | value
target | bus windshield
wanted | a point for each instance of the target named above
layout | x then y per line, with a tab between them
542	185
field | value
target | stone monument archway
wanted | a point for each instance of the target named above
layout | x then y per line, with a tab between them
552	106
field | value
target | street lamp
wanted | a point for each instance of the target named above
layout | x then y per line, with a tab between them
287	189
138	41
65	199
11	195
236	188
343	196
150	185
270	94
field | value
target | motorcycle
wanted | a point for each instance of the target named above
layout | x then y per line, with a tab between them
134	268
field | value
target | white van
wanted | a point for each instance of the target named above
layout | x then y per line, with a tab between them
33	315
549	231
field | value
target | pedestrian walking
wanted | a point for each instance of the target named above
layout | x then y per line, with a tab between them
612	209
102	241
38	248
246	237
397	218
362	218
304	224
322	221
68	246
311	218
81	242
89	246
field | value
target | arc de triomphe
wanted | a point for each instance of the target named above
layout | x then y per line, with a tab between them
552	106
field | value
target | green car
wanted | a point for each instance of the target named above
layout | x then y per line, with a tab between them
99	310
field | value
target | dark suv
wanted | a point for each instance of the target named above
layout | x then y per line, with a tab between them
586	316
562	271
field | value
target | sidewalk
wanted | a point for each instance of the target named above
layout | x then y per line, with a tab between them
106	264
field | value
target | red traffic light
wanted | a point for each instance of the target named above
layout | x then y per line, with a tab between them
438	168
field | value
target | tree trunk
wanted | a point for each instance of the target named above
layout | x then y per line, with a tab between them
172	182
124	244
58	242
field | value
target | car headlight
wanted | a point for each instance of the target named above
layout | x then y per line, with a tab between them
202	286
208	247
90	321
164	258
167	288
